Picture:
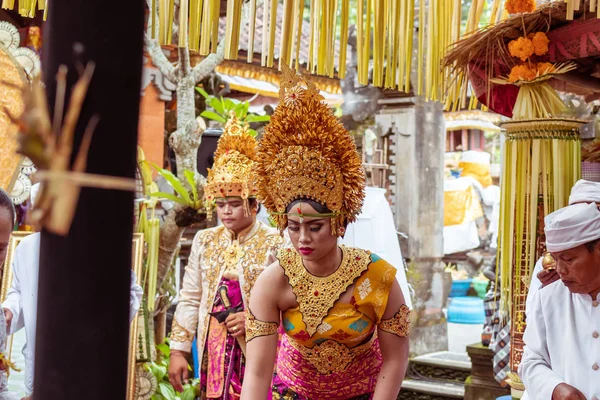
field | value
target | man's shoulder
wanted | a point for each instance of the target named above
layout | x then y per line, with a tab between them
268	230
29	242
207	235
553	291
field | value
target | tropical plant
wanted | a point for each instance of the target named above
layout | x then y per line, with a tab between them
223	109
185	197
159	369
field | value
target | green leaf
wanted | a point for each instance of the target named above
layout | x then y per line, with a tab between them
164	349
258	118
167	391
240	111
230	105
169	196
217	105
213	116
202	92
161	372
252	133
189	393
174	181
189	175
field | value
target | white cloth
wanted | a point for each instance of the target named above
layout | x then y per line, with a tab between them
21	298
560	343
585	192
374	230
572	226
535	284
33	194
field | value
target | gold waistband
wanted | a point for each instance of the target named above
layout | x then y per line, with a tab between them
331	356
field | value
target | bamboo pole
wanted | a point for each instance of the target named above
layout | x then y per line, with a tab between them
183	23
287	38
343	38
251	31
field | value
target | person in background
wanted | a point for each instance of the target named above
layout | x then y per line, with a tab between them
582	192
561	358
7	224
223	265
20	306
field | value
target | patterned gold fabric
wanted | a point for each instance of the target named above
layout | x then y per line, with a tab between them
232	174
350	324
216	253
12	84
305	152
316	295
256	328
330	356
399	324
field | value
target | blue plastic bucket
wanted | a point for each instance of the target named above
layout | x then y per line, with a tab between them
466	310
460	288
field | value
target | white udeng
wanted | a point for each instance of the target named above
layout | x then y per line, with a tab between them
562	343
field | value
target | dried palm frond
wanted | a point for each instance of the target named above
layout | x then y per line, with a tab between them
50	148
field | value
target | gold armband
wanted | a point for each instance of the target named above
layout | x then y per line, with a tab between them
399	324
256	328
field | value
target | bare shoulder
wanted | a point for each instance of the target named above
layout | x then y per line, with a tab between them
272	275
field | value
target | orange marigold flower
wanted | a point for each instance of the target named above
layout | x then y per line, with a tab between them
521	48
521	72
545	68
519	6
540	43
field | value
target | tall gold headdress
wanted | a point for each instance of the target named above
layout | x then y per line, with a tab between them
305	152
232	174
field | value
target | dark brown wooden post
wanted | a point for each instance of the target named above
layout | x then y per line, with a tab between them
83	304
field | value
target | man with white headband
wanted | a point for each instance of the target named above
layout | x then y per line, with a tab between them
561	359
20	306
582	192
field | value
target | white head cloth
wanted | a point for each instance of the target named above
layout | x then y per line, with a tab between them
585	192
572	226
35	189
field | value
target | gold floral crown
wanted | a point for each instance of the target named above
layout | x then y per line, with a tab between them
306	153
232	174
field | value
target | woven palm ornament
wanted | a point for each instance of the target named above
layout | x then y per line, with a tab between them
232	174
306	153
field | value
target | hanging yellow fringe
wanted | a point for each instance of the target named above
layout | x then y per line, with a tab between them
541	164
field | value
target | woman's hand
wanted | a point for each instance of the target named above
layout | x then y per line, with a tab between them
178	369
236	324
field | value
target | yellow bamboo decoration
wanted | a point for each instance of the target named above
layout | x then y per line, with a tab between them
183	23
273	15
195	20
287	37
360	37
409	39
420	51
364	78
321	35
378	52
205	28
251	31
295	41
343	38
333	24
265	32
216	12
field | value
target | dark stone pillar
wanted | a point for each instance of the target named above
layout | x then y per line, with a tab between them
83	305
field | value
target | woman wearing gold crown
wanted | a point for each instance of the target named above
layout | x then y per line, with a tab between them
343	312
223	266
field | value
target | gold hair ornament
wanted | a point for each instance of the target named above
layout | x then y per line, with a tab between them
232	174
306	153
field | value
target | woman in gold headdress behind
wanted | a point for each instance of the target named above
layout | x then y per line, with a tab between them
343	313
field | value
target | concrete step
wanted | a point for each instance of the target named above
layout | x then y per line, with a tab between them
430	390
444	366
